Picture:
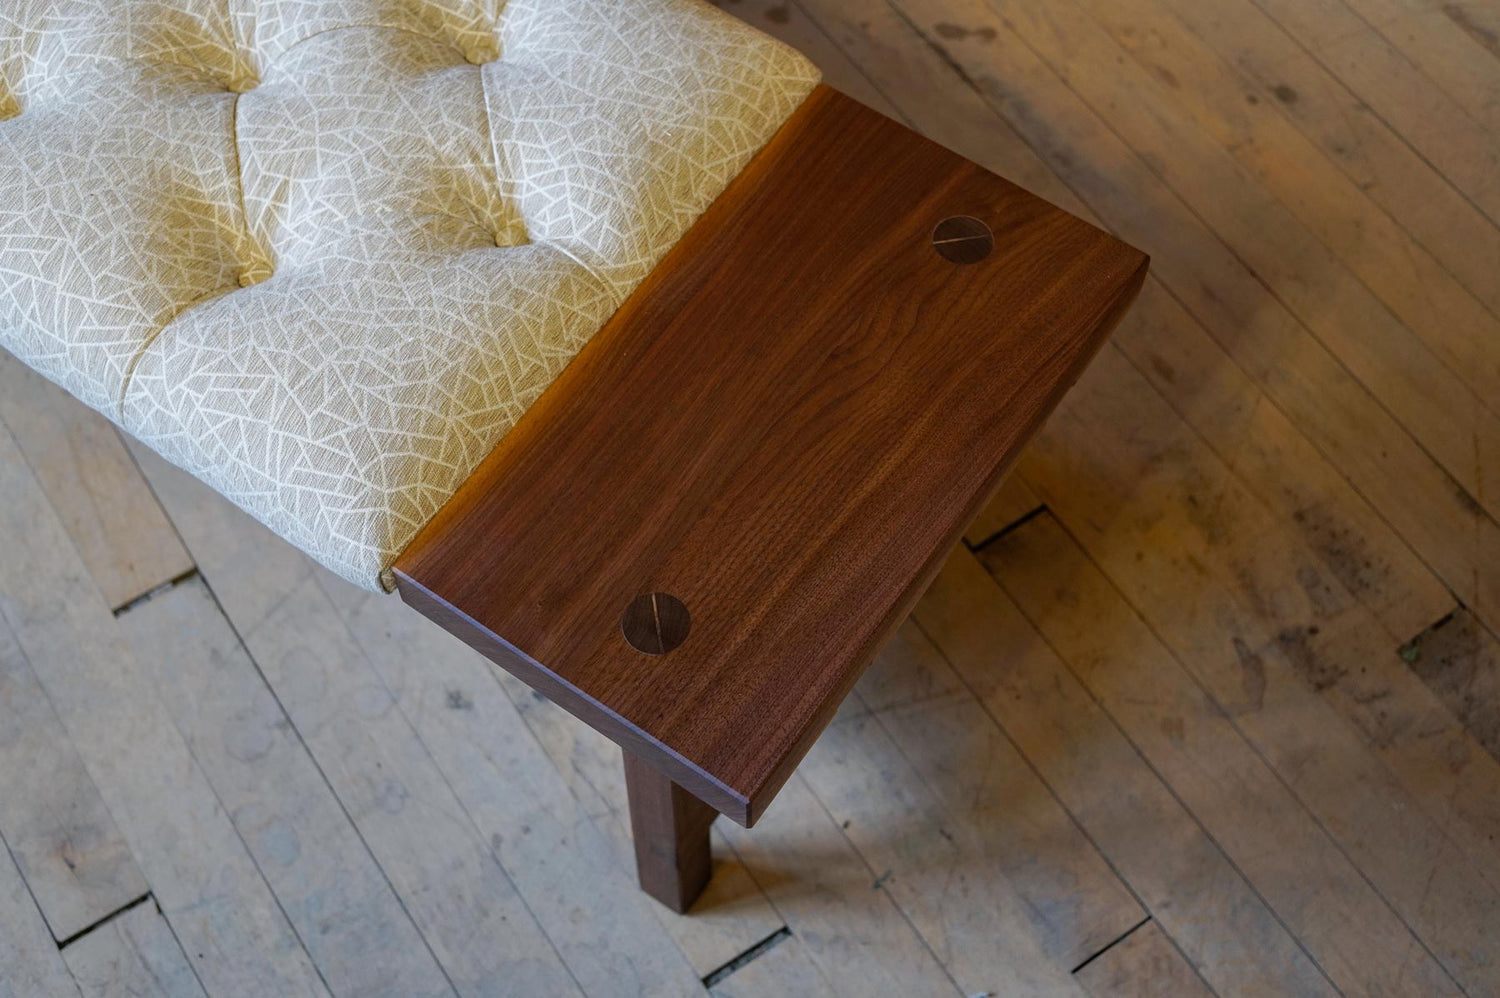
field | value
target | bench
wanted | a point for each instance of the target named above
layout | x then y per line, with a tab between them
652	369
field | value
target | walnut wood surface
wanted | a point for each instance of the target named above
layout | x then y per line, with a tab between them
785	427
670	829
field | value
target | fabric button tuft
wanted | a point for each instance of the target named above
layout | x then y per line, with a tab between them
254	275
482	55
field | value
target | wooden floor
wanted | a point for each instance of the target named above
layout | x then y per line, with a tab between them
1209	703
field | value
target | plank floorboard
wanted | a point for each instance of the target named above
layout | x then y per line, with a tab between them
1430	120
849	924
960	871
205	882
1355	138
442	867
1291	860
791	24
1462	335
1283	452
1351	428
1232	589
908	671
1223	407
1449	420
290	820
132	954
562	860
1459	660
1011	504
1135	819
93	486
785	970
1316	688
60	833
733	914
30	965
1445	51
1142	965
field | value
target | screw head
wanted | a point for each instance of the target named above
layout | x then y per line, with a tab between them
655	623
963	239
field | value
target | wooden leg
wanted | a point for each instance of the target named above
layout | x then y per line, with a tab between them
671	836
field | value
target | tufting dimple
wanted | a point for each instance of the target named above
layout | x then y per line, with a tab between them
483	51
253	275
455	196
10	105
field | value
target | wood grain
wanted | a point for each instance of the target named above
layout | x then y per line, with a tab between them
1144	964
836	905
795	477
1128	809
1289	654
670	829
440	864
303	841
32	966
1290	860
998	878
60	834
132	954
121	533
234	934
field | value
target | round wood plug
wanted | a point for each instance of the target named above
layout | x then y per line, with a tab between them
655	623
963	239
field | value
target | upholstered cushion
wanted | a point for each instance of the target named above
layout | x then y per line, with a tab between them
325	253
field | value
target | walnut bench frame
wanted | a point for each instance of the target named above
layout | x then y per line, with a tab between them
701	534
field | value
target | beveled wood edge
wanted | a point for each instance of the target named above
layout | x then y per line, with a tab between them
688	775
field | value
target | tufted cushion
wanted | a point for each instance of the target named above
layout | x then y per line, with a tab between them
324	253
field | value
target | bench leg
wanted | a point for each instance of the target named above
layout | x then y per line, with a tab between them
671	836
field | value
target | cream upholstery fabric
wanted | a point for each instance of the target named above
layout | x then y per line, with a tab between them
324	253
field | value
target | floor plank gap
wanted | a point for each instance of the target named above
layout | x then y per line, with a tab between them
761	948
1013	525
160	590
1112	944
65	943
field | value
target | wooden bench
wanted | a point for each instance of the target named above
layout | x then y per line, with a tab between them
708	525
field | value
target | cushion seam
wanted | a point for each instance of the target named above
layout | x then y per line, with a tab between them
445	42
239	177
489	131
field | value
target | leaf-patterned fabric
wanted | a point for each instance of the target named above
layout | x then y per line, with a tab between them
323	254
